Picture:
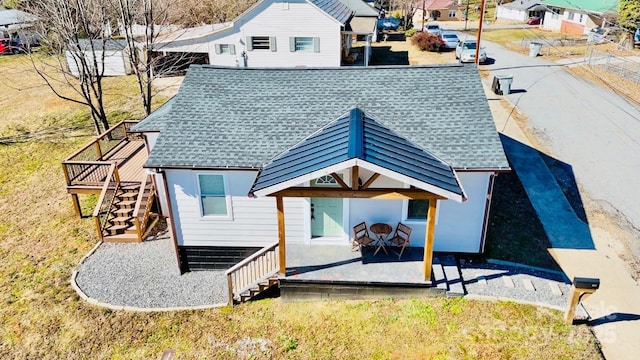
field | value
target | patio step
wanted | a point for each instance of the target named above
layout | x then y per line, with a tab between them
439	280
258	289
452	273
121	238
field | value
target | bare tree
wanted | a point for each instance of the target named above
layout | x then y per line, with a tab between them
75	34
198	12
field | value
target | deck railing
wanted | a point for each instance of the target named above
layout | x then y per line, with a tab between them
86	166
107	196
140	212
252	270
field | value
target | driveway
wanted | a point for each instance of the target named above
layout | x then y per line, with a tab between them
598	134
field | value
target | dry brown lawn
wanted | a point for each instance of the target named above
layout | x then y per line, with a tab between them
41	242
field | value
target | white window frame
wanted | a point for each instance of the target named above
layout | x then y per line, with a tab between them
571	15
405	212
580	18
452	13
303	43
225	49
227	196
271	40
555	12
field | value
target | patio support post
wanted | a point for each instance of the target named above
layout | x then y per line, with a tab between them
76	205
428	239
281	246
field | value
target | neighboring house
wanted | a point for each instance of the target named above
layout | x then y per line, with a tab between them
436	10
116	58
276	33
577	17
236	147
18	26
364	21
520	10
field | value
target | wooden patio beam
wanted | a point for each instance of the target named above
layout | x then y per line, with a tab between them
355	177
368	183
377	193
281	244
428	239
339	181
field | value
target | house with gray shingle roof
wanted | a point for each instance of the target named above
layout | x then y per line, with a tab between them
521	10
275	33
331	147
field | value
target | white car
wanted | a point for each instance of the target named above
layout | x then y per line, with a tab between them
449	40
466	52
432	28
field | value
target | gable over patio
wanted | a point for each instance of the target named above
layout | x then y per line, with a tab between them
354	141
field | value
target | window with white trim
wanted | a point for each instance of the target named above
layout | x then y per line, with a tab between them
572	15
554	13
452	13
213	196
304	43
581	18
228	49
417	209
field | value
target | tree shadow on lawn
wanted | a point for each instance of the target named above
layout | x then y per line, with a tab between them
514	232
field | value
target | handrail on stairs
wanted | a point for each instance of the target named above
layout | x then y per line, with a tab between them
140	216
252	270
107	196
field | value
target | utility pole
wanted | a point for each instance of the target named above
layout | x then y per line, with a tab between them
466	16
479	31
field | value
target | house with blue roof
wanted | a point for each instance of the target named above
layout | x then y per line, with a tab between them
280	33
251	159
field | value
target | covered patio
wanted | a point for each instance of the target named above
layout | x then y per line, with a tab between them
353	142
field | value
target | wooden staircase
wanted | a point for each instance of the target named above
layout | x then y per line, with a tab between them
258	289
120	222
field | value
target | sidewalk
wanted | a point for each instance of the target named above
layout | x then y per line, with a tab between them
614	308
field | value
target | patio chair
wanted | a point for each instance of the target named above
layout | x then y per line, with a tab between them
361	236
401	238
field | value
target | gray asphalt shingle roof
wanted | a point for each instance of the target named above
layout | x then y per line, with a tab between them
355	135
244	117
109	44
334	8
12	16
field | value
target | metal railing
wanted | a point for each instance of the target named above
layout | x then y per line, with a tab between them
107	196
140	213
251	271
86	166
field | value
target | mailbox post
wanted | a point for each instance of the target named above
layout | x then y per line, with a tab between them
581	289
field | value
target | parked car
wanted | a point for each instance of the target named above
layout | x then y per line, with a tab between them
389	23
534	20
466	52
449	40
432	28
636	36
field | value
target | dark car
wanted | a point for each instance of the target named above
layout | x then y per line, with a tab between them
534	20
389	23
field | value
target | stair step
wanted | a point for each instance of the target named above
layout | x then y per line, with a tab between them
128	194
117	227
121	238
121	219
123	211
126	203
438	275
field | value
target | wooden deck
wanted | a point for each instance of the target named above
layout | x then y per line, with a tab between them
130	158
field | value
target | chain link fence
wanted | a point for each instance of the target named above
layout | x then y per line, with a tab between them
620	66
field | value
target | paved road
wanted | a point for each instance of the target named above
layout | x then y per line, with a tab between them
592	129
598	134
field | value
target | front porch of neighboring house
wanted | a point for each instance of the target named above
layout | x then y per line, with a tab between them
111	166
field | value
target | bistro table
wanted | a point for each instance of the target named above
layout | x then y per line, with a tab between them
381	231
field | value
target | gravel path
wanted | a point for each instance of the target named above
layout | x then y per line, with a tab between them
146	275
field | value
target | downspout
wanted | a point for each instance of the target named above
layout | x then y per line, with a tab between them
487	207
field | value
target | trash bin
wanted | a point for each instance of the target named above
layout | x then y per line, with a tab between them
501	84
534	49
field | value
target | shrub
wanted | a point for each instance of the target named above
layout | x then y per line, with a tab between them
410	32
425	41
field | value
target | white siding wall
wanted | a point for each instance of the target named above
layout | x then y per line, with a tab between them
254	221
551	23
458	227
114	63
273	19
511	14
